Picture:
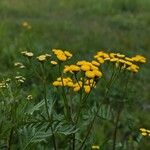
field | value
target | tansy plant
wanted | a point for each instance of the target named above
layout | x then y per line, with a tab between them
67	109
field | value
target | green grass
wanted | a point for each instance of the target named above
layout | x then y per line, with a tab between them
83	26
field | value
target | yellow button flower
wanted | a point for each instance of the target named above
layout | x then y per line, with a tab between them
61	57
95	63
41	58
85	67
95	147
97	73
87	88
90	74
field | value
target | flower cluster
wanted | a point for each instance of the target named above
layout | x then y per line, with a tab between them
62	55
145	132
25	24
130	64
19	65
95	147
3	84
76	86
43	57
90	69
27	54
20	79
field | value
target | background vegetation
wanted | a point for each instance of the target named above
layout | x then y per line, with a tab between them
83	26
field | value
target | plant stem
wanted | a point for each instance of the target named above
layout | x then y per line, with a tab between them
10	138
68	114
46	107
115	131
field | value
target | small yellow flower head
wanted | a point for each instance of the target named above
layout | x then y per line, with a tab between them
54	62
97	73
120	55
62	55
41	58
19	65
142	129
89	74
85	67
29	97
25	24
74	68
139	58
57	83
3	85
68	54
95	147
76	88
100	60
87	89
133	68
95	63
20	79
27	54
144	133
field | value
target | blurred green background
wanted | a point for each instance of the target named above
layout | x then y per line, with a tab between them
83	26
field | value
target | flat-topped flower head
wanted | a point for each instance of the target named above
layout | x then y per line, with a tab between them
139	58
62	55
43	57
27	54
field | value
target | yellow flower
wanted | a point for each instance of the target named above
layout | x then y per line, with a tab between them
61	57
100	60
76	88
87	88
29	97
90	74
68	54
85	67
95	147
27	54
144	133
139	58
143	129
74	68
53	62
97	73
57	83
95	63
120	55
67	69
42	58
25	24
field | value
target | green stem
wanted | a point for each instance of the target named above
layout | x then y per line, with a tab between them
46	107
115	131
68	114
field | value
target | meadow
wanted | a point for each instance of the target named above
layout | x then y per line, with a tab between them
83	28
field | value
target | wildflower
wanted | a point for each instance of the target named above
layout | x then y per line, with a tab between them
41	58
20	79
95	147
25	24
76	88
139	58
144	133
62	55
53	62
19	64
90	74
87	88
27	54
29	97
97	73
95	63
85	67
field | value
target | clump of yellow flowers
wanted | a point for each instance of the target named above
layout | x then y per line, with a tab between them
90	71
128	63
145	132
